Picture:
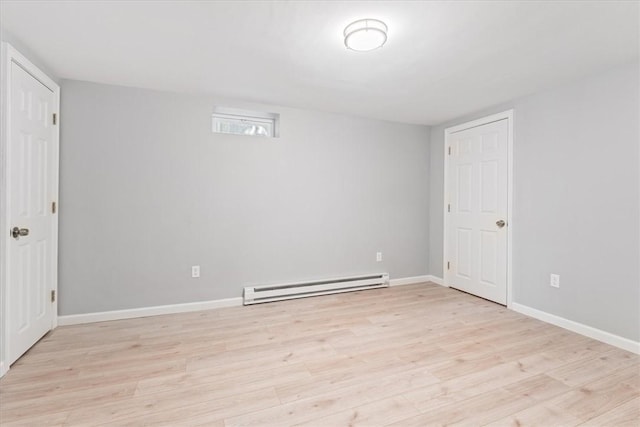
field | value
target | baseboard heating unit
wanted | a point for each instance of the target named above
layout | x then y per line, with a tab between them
259	294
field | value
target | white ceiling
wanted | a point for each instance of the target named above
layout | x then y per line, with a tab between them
442	59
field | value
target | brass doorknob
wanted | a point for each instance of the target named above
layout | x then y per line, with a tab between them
500	223
17	232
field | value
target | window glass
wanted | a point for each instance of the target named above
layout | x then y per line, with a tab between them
239	124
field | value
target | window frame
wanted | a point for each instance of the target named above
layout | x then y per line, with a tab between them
269	121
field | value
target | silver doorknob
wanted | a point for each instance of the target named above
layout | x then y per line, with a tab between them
500	223
17	232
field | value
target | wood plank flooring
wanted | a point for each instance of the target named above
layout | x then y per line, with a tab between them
417	355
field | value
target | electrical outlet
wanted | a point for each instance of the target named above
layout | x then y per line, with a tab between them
195	271
554	280
378	256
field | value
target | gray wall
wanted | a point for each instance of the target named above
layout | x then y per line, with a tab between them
147	190
576	200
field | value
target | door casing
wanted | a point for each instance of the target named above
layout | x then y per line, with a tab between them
11	55
508	115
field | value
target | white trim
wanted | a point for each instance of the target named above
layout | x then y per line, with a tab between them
510	211
103	316
479	122
437	280
582	329
409	280
416	279
11	55
508	115
4	209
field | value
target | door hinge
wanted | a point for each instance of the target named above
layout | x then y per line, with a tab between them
448	265
53	296
449	207
449	150
55	118
53	207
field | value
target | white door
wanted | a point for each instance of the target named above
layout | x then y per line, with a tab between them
32	186
476	232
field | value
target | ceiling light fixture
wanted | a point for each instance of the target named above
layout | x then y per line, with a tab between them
365	34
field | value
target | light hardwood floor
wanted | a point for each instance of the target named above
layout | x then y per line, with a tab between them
417	355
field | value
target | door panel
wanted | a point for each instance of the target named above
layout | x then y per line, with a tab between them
463	269
489	187
488	257
464	187
477	187
31	188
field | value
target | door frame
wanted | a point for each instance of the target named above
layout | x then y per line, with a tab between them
11	55
448	132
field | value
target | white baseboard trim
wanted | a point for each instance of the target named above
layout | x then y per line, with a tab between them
76	319
3	370
416	279
582	329
103	316
408	280
437	280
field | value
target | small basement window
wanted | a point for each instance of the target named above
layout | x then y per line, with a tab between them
242	122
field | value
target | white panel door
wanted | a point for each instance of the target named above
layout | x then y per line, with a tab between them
477	211
32	185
